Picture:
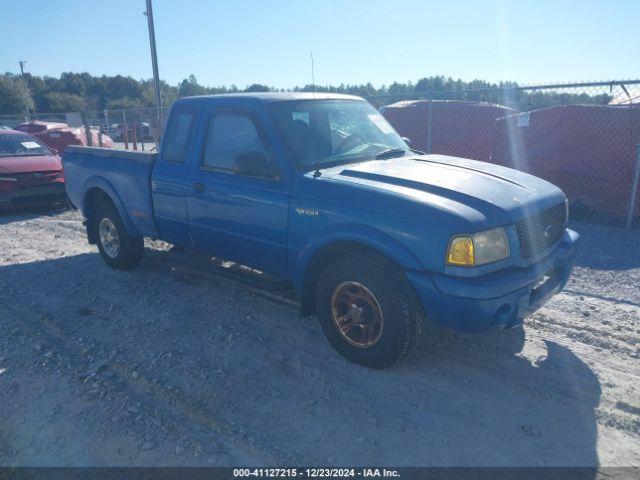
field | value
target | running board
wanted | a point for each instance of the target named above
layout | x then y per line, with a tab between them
230	269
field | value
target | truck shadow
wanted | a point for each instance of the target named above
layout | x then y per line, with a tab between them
222	356
8	216
535	401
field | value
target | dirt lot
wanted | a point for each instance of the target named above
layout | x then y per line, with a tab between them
165	365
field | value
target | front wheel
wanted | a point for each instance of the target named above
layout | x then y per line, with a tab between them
118	249
367	309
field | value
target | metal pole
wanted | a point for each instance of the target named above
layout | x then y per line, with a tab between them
429	122
154	62
126	134
87	128
106	120
634	189
24	90
140	122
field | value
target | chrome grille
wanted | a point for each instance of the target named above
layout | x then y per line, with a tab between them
539	231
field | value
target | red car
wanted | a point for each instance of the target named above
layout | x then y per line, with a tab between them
61	138
30	173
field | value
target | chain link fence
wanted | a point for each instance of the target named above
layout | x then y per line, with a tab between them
584	137
131	129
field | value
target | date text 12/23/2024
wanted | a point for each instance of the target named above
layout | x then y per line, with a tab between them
315	472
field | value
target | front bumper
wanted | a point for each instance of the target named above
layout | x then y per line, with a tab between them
33	195
497	300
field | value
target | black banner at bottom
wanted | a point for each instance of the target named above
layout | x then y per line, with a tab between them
404	473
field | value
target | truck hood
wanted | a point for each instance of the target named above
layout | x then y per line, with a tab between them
492	191
27	164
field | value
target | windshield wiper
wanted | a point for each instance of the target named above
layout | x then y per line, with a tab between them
391	153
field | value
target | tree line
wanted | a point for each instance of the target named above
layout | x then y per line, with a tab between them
73	92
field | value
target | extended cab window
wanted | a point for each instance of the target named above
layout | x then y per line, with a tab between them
178	131
230	135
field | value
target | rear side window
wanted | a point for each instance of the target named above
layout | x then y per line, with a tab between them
230	135
177	136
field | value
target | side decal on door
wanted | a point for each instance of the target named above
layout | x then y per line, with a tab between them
310	212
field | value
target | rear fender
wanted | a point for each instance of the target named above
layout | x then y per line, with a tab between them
107	188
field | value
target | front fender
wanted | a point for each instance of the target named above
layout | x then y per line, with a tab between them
106	187
353	233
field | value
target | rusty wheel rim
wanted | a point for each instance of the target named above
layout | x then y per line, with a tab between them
356	314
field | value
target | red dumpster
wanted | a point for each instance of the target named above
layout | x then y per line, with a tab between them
60	139
37	126
458	128
587	150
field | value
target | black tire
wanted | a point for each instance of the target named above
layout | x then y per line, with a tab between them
386	283
130	247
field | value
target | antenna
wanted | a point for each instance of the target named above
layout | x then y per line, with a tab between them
317	173
313	77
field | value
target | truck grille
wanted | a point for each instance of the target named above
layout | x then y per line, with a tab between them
539	231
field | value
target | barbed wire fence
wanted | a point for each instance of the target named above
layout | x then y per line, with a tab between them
583	137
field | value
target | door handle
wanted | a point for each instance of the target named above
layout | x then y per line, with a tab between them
198	187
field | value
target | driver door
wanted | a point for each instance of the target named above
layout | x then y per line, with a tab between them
232	216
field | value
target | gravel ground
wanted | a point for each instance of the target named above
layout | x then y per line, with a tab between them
169	365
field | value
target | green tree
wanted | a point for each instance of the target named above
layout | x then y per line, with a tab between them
76	91
190	87
257	87
14	94
63	102
168	93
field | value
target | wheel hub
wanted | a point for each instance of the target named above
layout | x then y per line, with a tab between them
357	314
109	238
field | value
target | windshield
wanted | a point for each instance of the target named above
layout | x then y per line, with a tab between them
21	146
329	132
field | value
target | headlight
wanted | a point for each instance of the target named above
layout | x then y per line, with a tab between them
8	179
478	249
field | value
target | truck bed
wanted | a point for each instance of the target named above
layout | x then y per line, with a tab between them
124	175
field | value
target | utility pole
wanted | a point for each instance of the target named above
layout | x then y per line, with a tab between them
154	63
22	63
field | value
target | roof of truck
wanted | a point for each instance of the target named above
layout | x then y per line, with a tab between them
278	96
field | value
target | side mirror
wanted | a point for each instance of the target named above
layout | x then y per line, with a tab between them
407	140
253	164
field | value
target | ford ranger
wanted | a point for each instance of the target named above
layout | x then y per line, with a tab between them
320	191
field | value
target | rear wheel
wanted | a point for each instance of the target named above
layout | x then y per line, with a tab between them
367	309
118	249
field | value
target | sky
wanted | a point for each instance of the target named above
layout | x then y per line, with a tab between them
240	42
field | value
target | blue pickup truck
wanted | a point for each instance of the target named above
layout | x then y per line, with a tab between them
319	190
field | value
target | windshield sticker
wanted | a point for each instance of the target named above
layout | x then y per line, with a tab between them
30	144
381	123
